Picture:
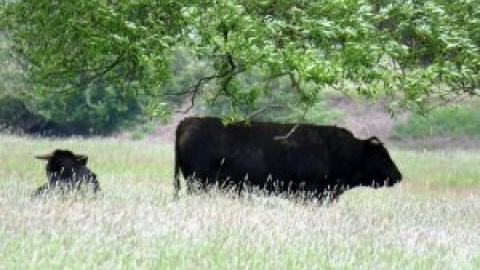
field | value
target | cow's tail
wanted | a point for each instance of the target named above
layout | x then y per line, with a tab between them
176	177
176	173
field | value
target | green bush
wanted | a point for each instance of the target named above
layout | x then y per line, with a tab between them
452	121
25	108
12	112
101	112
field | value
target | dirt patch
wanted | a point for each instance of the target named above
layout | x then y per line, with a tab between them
365	119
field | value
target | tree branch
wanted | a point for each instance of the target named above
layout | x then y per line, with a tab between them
294	128
89	81
252	114
227	75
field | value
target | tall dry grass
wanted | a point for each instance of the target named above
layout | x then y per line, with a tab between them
424	223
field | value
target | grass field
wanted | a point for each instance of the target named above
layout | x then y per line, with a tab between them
430	221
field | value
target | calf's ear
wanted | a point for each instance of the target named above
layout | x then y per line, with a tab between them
47	156
81	159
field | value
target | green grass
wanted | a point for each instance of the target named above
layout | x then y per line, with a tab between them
430	221
453	121
454	168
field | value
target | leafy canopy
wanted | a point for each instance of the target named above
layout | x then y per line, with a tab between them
418	52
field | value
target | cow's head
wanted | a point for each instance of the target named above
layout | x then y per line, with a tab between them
379	168
63	164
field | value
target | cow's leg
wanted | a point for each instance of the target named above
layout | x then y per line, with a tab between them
335	194
176	174
268	187
200	181
330	195
317	190
190	183
176	187
196	181
249	189
238	184
190	186
206	182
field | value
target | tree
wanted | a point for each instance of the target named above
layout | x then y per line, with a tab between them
419	52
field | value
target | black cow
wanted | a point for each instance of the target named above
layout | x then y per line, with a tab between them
321	161
68	172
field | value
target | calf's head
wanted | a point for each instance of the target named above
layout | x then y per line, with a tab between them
65	167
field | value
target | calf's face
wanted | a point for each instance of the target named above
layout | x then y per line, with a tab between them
65	167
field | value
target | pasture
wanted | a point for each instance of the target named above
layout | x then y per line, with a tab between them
429	221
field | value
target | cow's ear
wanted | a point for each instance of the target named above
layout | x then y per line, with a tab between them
81	159
374	140
46	157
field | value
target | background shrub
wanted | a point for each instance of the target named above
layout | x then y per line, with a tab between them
452	121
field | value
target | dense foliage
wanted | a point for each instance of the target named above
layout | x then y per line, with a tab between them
418	52
453	121
100	109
